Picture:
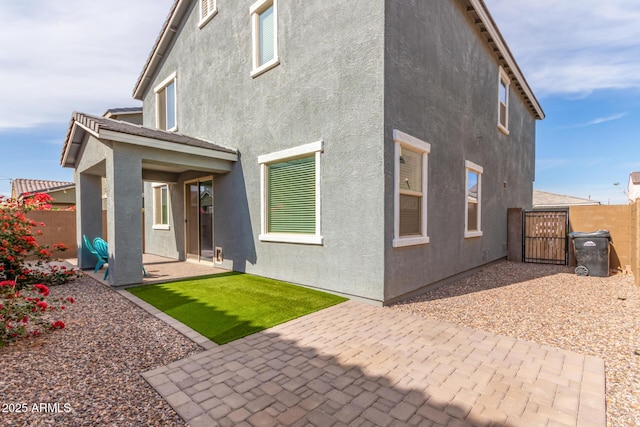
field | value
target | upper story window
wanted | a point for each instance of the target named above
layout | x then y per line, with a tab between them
503	102
473	199
410	194
166	118
290	199
208	9
264	29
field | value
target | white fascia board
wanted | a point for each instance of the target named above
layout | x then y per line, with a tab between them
87	129
69	145
497	39
165	145
159	50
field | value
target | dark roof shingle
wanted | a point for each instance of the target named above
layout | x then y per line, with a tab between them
19	186
96	124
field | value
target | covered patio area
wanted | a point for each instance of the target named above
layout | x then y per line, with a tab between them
138	176
160	269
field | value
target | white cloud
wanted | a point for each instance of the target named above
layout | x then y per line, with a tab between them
573	48
597	121
546	164
607	119
72	55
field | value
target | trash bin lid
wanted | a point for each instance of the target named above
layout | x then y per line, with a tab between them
591	234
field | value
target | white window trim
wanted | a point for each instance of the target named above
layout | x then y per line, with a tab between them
213	11
401	139
166	82
155	206
255	10
290	153
503	77
470	166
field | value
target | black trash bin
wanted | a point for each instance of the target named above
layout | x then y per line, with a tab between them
592	252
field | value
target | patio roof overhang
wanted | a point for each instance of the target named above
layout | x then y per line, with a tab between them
167	151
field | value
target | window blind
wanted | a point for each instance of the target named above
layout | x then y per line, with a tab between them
267	35
292	196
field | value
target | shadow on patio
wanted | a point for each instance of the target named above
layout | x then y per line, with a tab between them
160	269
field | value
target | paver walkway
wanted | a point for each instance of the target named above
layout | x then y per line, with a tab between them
355	364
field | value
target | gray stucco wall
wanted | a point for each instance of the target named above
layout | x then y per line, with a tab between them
325	88
441	85
167	242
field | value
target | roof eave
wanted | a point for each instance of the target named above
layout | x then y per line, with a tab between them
504	54
164	40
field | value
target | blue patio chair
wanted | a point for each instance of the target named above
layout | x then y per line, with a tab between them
102	248
101	260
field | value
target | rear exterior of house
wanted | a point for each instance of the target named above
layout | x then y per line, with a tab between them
379	144
451	82
322	104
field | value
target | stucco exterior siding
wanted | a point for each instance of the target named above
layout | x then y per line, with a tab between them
441	85
328	87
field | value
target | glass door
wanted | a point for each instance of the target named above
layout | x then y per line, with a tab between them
199	219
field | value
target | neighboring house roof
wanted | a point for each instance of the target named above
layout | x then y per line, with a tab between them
115	130
476	8
543	199
122	111
634	177
20	186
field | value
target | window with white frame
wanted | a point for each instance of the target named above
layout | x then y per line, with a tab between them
473	199
160	206
503	101
264	29
410	190
208	9
166	117
290	195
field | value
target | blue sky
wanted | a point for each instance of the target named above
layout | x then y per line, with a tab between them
583	64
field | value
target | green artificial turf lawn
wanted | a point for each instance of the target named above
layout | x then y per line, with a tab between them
228	306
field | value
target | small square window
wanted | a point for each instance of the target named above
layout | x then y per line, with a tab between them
208	9
264	23
166	116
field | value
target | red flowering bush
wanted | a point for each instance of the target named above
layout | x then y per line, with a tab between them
27	311
25	308
18	241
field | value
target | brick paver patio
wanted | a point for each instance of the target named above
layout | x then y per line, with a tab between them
355	364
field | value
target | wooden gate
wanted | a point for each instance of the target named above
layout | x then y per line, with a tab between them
545	239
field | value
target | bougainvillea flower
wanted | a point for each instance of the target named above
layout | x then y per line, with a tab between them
42	289
58	324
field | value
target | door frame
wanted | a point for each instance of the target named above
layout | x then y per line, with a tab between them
197	258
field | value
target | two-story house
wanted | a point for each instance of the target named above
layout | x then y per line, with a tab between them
370	149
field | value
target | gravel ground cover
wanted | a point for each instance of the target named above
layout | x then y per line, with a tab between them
91	369
551	305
